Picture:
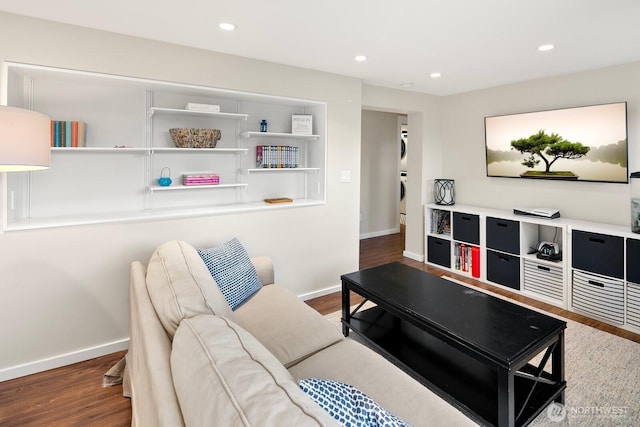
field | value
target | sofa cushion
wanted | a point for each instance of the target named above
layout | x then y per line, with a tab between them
180	285
348	405
288	327
232	270
352	363
223	376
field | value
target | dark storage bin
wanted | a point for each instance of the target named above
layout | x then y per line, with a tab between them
503	235
466	228
439	251
633	261
598	253
503	269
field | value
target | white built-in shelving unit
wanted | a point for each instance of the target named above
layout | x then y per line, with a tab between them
114	176
598	274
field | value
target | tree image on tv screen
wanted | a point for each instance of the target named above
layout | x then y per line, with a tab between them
548	148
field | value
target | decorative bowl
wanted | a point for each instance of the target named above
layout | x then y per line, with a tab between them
195	138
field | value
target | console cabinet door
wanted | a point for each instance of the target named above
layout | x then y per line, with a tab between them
439	251
466	228
598	253
503	235
633	304
599	296
503	269
633	260
543	279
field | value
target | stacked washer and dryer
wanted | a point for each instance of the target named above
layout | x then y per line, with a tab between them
403	173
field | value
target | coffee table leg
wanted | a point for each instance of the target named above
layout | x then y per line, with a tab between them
506	405
557	365
346	312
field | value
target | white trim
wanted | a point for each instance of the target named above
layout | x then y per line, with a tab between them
380	233
321	292
62	360
413	256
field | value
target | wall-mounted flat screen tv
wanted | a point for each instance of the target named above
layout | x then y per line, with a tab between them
580	144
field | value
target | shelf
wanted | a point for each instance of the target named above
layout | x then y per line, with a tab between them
156	214
144	150
541	261
283	170
99	150
180	187
187	150
159	110
279	135
440	236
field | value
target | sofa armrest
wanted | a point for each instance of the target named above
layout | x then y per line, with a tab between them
153	399
264	267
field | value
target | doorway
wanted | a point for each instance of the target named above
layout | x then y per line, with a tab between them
383	161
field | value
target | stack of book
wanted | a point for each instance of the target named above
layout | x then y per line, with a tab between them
440	222
200	178
467	258
276	156
68	133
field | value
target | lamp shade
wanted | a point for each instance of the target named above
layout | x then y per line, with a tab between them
25	140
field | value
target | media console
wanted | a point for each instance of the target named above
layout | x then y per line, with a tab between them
596	275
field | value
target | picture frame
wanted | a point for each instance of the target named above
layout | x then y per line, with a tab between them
302	124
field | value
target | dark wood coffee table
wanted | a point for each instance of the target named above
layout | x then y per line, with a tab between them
471	348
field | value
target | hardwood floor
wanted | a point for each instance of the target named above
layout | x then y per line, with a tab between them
67	396
73	395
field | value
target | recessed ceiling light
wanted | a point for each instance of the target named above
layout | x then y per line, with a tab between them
545	47
227	26
435	75
406	84
360	58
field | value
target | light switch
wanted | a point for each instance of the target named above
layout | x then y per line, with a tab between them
345	176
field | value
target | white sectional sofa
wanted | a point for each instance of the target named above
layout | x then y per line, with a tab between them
193	361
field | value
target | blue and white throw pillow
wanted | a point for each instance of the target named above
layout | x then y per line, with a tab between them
348	405
231	268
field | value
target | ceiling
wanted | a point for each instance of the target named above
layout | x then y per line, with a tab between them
474	44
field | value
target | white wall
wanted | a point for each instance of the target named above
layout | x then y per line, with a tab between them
64	290
379	174
464	149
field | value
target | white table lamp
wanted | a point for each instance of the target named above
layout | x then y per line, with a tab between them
25	140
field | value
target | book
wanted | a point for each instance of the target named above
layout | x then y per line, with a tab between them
82	134
277	156
63	134
68	133
279	200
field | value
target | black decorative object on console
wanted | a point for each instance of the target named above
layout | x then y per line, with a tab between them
444	192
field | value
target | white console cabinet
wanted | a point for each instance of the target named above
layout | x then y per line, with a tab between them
598	274
113	177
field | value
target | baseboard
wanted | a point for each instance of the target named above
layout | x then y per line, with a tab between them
416	257
62	360
321	292
380	233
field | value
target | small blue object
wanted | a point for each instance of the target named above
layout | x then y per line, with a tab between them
164	181
263	125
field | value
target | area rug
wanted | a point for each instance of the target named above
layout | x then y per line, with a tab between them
602	373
